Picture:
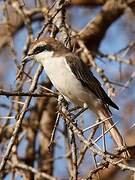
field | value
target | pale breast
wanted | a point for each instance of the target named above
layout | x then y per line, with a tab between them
60	74
65	81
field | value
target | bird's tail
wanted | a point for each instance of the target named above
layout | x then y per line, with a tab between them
103	114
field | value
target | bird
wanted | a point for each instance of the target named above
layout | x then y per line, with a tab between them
74	80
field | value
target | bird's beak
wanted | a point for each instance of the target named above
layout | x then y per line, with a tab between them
26	59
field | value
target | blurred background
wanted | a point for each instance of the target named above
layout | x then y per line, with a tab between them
111	42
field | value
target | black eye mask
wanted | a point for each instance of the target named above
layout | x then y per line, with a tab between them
42	48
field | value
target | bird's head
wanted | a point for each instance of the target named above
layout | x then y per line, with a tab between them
45	48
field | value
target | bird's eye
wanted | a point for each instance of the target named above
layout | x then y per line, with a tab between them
42	48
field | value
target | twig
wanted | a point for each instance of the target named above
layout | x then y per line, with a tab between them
20	118
54	131
128	82
94	171
94	125
116	58
31	94
83	151
106	157
95	162
31	169
74	156
60	5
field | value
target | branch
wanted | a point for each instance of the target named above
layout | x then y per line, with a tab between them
31	169
20	119
16	22
31	94
89	144
88	2
94	31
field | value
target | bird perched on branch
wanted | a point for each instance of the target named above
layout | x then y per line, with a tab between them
72	78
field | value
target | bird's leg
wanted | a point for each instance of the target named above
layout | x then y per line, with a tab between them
62	101
85	107
74	108
79	113
70	111
74	116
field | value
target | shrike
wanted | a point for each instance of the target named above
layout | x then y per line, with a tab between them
72	78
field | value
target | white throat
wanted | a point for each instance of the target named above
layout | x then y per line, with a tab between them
46	55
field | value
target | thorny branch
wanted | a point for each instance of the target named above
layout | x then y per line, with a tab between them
20	118
6	93
33	170
40	127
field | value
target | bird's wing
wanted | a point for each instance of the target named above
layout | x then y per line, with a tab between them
87	79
